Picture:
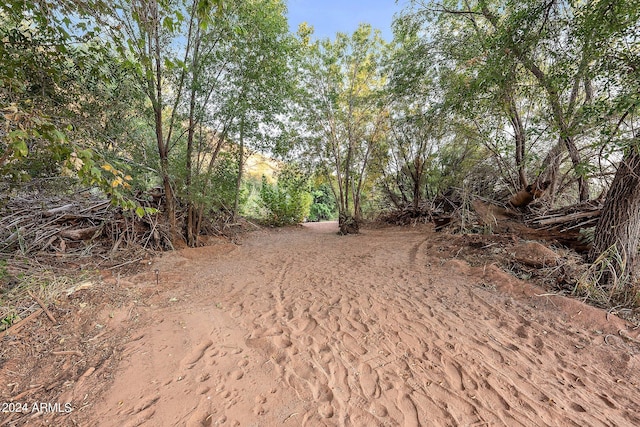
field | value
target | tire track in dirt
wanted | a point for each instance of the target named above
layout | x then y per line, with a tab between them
303	327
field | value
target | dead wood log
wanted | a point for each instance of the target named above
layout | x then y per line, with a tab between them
102	204
55	211
80	234
565	218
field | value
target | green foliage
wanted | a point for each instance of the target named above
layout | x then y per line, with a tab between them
221	182
29	80
210	189
8	320
342	110
323	206
287	202
93	170
252	206
65	101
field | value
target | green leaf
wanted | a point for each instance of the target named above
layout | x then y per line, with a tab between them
168	24
18	134
140	211
20	148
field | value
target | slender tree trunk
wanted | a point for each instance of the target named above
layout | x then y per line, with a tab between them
574	154
347	179
619	223
236	204
551	164
520	137
563	127
163	148
346	221
191	236
417	182
212	161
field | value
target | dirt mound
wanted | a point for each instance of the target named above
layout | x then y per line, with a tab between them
305	327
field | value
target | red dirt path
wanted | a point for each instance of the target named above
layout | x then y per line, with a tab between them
302	327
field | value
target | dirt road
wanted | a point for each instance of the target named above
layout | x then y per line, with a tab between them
303	327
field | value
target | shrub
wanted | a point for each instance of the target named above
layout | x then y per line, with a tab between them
287	202
324	206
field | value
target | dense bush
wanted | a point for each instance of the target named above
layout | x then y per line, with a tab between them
324	205
288	201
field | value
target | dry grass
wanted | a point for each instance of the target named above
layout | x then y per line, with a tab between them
607	284
19	277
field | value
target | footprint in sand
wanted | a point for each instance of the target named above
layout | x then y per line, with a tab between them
196	354
259	408
494	397
607	401
325	410
577	407
369	381
144	404
322	393
300	386
304	370
378	409
142	412
338	381
304	325
236	374
454	374
202	415
282	341
352	345
407	407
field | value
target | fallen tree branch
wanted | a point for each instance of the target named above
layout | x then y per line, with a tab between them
67	352
566	218
16	327
44	307
80	234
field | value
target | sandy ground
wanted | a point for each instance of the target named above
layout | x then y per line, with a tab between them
302	327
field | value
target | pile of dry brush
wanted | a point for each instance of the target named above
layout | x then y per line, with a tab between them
457	212
75	226
50	241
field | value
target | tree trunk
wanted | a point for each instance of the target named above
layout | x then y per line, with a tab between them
619	225
163	148
520	137
191	236
417	175
348	224
236	204
212	160
166	179
551	165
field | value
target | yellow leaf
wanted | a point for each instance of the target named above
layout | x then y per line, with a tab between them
128	178
116	182
107	167
12	108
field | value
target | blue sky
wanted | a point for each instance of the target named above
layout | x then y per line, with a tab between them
330	16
